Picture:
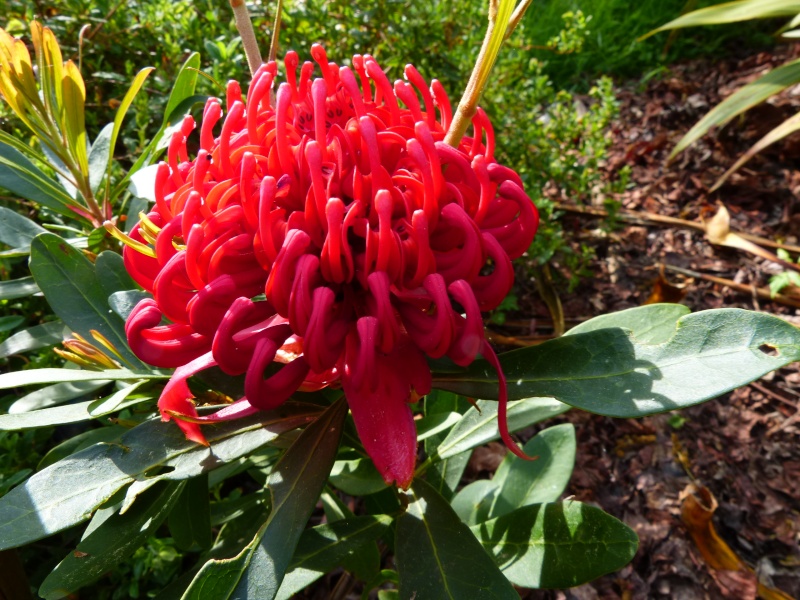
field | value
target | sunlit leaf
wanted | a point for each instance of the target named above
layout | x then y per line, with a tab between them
33	338
17	231
18	288
23	178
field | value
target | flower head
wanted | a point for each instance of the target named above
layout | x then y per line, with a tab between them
327	236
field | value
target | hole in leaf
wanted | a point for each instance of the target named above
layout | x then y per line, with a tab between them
158	470
769	350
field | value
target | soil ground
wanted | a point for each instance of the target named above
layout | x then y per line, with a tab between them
744	446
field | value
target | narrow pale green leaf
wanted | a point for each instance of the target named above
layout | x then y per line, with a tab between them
732	12
788	127
185	83
35	376
70	284
67	492
542	480
33	338
323	548
473	502
742	100
479	424
23	178
99	156
649	324
17	231
437	556
18	288
122	110
435	424
295	485
190	519
54	394
611	373
116	539
557	545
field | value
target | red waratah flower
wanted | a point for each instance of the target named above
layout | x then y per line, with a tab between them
332	230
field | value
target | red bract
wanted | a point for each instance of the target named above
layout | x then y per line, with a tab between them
374	242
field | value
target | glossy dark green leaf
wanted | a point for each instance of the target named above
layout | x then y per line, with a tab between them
114	540
70	284
445	474
185	83
357	477
18	288
67	492
123	303
23	178
17	231
112	274
295	484
649	324
524	482
479	424
79	442
10	322
323	548
190	519
33	338
53	395
364	563
557	545
437	556
610	372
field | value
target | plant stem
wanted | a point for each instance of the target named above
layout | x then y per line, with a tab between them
245	28
499	17
276	32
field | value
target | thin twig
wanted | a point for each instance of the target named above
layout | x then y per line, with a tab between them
762	293
245	28
519	12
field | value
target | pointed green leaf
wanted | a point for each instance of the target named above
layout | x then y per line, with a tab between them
295	485
357	477
557	545
34	376
33	338
112	274
609	372
114	540
732	12
742	100
473	502
185	83
70	284
437	556
18	288
99	156
479	424
54	394
67	492
524	482
323	548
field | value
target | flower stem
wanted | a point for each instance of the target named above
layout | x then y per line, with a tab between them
276	32
501	23
245	27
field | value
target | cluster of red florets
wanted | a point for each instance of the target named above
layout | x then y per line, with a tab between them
327	227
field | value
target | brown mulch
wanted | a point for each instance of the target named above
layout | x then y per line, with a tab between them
744	447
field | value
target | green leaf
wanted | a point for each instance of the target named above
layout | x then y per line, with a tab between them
190	519
524	482
127	100
80	442
445	474
72	413
365	562
479	425
740	101
33	338
34	376
650	324
295	485
112	274
357	477
116	539
323	548
17	231
185	83
557	545
21	177
10	322
18	288
438	557
99	156
67	492
70	284
435	424
609	372
123	303
473	503
732	12
53	395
